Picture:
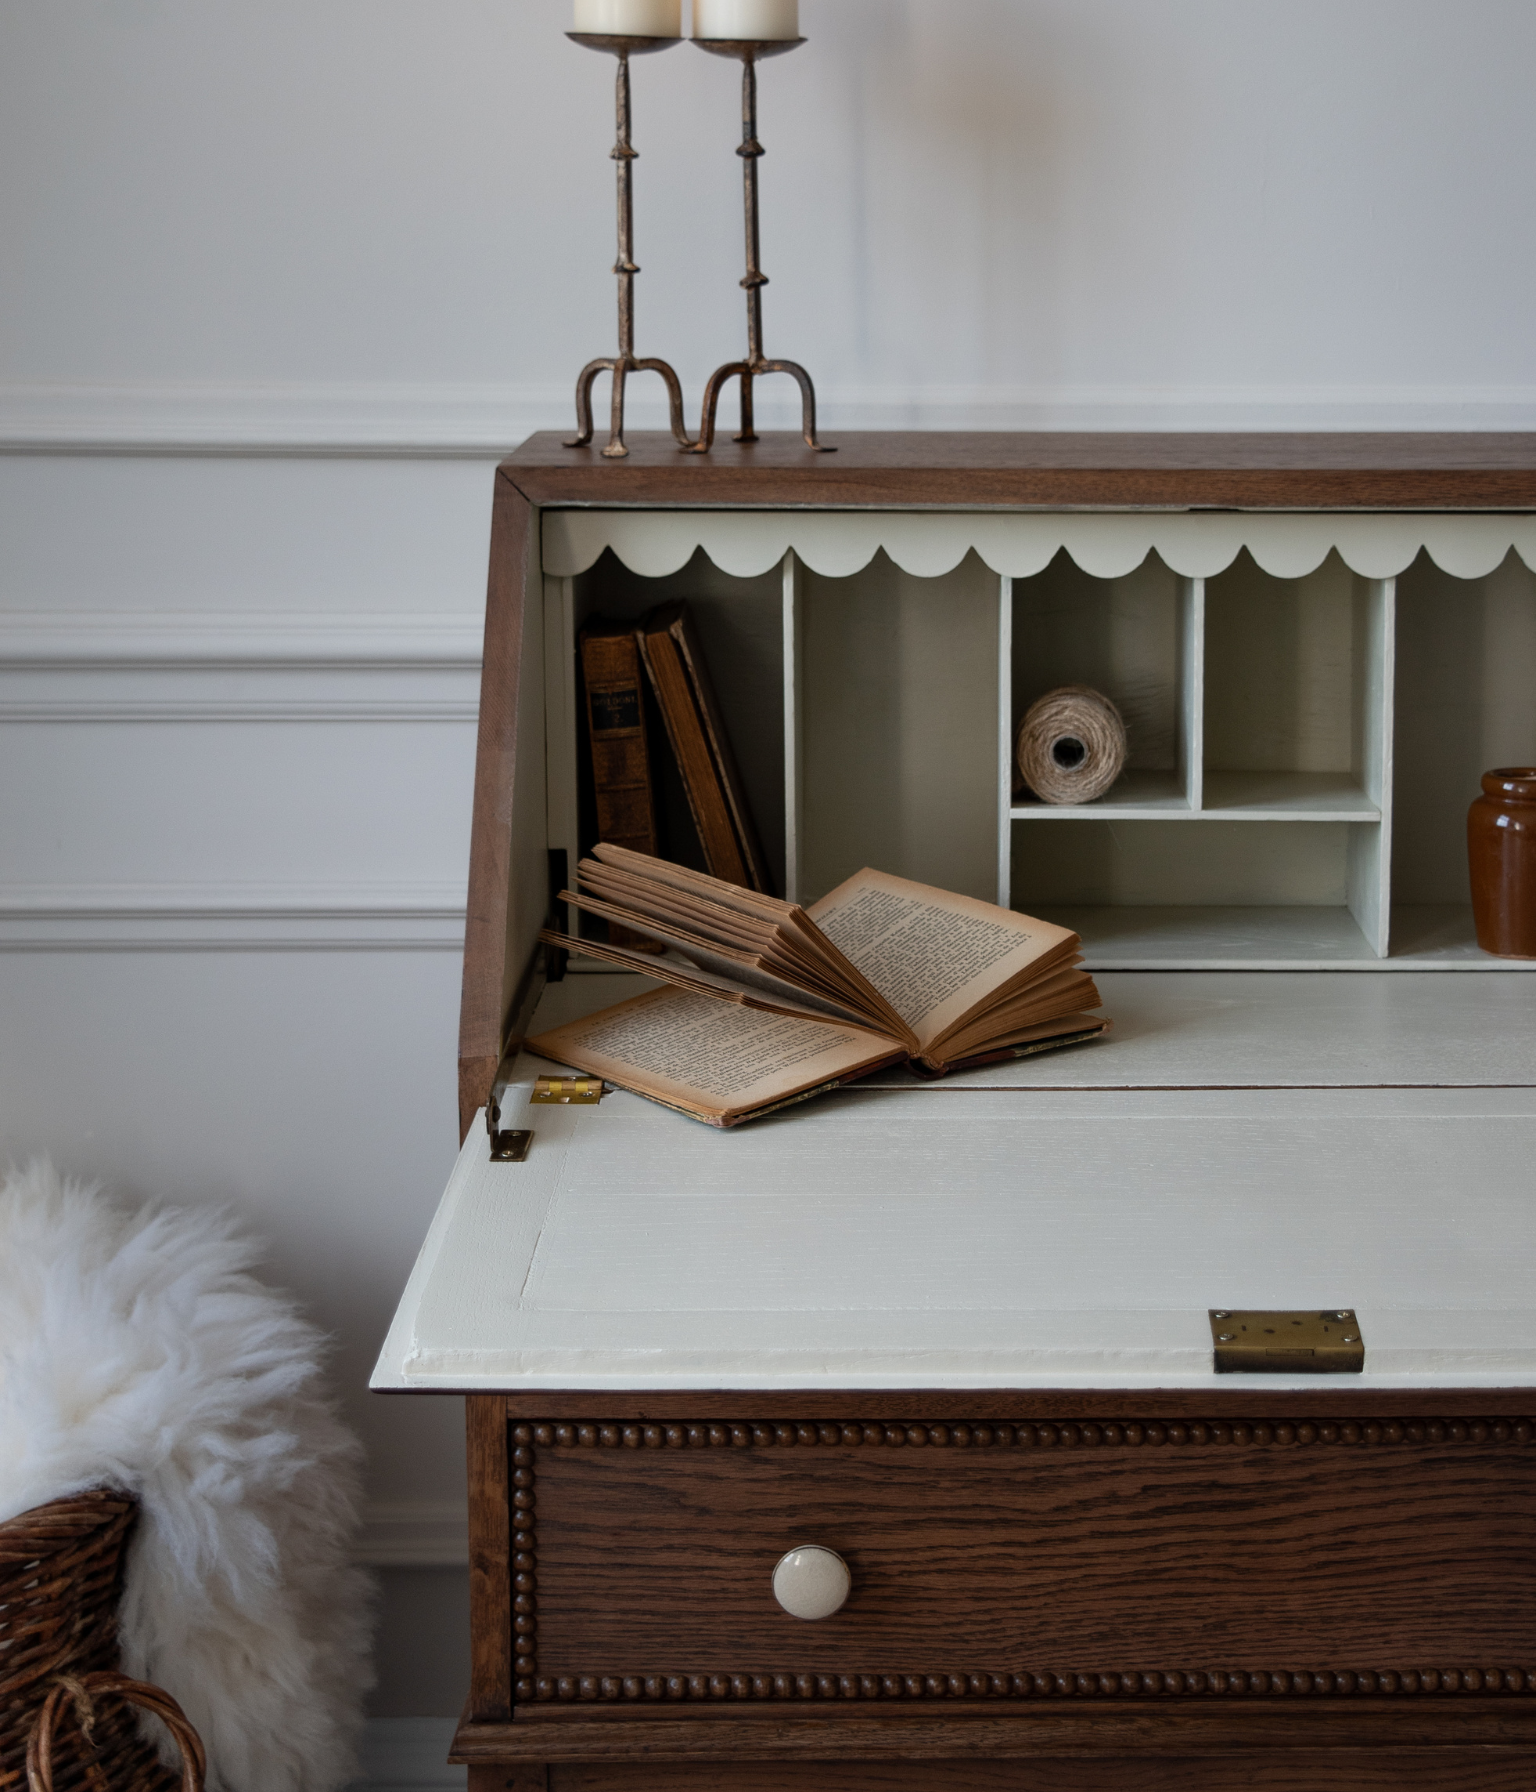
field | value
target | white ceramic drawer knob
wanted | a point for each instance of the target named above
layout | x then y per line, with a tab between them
811	1582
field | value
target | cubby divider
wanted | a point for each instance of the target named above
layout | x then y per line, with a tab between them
1192	690
1304	706
794	709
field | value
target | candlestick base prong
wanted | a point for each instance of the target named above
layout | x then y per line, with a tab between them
747	372
584	402
621	366
615	448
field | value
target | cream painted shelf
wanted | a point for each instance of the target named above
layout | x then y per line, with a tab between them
1294	937
1229	796
1249	699
1287	796
1136	796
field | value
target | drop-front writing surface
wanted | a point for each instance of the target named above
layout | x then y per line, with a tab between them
1061	1221
887	1239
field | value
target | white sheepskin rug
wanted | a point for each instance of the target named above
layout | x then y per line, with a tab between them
137	1351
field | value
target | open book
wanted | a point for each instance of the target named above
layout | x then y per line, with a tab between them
771	1002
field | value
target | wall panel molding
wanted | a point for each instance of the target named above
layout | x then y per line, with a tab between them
414	1534
476	421
228	917
179	709
486	420
94	670
279	666
51	638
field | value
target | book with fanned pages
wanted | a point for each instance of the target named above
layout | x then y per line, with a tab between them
767	1002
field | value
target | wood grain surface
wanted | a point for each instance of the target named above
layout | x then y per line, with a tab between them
1113	1562
1077	1730
519	1776
490	1560
489	981
1048	470
1244	1398
1303	1771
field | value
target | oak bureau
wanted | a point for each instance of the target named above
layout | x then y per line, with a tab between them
957	1332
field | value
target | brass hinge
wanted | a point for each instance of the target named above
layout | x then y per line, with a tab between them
576	1091
508	1145
1299	1342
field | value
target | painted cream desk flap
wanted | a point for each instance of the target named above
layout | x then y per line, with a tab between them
899	1238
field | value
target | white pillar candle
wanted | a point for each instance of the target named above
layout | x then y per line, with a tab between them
630	18
746	18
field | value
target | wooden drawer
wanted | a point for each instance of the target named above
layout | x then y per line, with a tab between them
1328	1557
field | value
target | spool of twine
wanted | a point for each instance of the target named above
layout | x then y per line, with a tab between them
1071	745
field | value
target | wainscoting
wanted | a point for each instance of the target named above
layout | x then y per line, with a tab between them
237	719
415	1534
224	775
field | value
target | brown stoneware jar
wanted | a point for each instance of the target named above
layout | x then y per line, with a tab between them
1501	854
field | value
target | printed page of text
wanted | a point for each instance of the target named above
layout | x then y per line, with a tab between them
932	954
714	1056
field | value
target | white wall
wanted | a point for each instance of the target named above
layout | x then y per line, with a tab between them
338	254
392	220
237	702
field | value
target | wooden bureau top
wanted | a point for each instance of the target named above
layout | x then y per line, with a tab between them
920	469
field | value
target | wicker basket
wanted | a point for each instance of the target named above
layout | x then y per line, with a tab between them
61	1575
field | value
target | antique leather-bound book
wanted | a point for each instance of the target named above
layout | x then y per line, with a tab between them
621	766
696	729
621	761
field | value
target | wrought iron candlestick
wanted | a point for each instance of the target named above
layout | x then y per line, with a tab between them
749	50
624	363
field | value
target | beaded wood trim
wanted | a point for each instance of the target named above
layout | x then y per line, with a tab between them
1133	1434
1236	1683
531	1686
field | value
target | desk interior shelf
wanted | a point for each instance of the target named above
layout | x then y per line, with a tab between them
1260	703
1309	700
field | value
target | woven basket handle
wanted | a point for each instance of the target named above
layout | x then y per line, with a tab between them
80	1695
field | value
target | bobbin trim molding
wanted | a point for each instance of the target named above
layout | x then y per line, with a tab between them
1131	1433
